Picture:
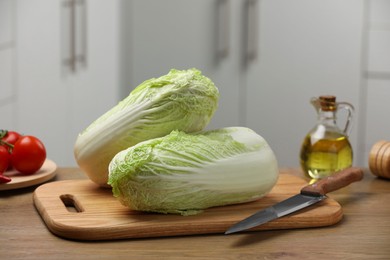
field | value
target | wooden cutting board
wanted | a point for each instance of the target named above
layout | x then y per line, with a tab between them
78	209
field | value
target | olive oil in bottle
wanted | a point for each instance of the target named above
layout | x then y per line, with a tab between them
320	158
326	148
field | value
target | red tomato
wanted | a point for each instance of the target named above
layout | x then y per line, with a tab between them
28	154
4	159
11	137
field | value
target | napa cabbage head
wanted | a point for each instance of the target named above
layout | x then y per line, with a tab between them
182	100
185	173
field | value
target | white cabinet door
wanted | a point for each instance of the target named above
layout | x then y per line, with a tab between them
7	64
377	73
54	103
377	123
95	87
44	95
280	54
7	74
307	48
183	34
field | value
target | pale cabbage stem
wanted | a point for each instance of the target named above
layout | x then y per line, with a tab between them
210	173
100	134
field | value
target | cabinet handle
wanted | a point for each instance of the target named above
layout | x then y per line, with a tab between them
81	19
68	32
252	26
75	26
223	28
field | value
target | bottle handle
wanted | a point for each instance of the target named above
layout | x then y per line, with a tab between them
316	103
350	112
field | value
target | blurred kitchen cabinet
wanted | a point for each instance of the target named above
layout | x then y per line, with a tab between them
182	34
67	66
7	87
268	58
306	48
376	125
7	63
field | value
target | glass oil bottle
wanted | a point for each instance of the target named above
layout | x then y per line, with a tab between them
326	148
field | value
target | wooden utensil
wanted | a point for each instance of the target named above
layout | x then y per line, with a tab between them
379	159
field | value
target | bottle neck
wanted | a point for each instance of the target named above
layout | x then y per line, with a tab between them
327	117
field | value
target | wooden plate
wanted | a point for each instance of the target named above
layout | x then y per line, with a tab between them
47	172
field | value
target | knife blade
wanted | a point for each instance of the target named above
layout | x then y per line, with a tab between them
308	196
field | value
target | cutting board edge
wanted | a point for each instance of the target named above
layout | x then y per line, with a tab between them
101	234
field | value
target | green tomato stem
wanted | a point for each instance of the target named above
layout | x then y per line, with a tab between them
3	133
6	143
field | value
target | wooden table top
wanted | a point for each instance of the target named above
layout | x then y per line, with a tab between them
363	233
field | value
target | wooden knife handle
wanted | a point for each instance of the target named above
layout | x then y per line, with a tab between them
334	182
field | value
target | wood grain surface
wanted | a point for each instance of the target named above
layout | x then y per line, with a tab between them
79	209
363	233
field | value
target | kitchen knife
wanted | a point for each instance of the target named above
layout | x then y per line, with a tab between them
309	195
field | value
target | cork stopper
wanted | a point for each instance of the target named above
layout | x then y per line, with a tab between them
379	159
328	103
